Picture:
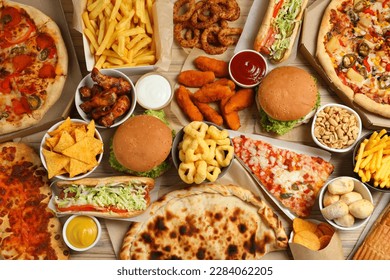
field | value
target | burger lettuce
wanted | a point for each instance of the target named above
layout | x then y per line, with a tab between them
156	171
282	127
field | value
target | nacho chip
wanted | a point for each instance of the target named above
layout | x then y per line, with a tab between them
301	225
65	141
308	239
51	142
65	126
85	150
91	129
77	167
55	163
79	134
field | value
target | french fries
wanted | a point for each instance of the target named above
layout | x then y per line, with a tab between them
120	32
373	160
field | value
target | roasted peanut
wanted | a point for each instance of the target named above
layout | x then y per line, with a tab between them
336	127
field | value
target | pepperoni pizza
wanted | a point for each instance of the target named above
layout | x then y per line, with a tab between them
28	228
33	65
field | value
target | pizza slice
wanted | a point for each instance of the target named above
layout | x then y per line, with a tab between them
28	228
293	179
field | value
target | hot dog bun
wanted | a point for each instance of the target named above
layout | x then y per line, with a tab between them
268	24
110	204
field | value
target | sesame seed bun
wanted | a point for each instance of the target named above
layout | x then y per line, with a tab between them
287	93
142	143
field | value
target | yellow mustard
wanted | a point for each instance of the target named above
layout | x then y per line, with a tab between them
81	231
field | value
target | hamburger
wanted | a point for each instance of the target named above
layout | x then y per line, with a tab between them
141	146
287	97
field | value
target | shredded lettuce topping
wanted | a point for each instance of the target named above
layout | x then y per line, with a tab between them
124	196
284	23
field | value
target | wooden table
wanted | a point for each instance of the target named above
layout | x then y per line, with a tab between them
104	249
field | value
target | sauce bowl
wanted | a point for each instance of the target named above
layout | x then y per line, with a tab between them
81	232
247	68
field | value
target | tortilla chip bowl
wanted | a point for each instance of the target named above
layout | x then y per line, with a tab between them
71	149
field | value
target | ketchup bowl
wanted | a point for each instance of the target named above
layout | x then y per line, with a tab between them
247	68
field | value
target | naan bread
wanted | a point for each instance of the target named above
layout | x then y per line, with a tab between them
208	221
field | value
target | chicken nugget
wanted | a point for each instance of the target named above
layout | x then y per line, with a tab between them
243	98
195	78
183	98
223	82
219	67
209	113
211	93
232	119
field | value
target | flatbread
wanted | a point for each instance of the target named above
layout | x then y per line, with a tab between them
209	221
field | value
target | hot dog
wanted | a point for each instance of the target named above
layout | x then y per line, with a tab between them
111	197
279	28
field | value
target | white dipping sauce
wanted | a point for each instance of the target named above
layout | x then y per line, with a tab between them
153	91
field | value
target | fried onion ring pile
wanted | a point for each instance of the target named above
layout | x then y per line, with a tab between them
204	24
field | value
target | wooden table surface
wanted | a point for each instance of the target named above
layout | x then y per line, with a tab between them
104	249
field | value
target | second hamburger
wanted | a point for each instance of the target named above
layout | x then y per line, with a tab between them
287	97
141	146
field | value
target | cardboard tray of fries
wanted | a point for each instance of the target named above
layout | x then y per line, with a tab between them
62	107
157	27
308	45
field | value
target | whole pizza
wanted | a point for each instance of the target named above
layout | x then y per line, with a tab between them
202	222
353	47
28	228
33	65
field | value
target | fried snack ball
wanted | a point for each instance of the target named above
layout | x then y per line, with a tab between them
219	67
184	101
243	98
195	78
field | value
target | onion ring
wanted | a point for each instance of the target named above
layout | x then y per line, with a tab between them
187	14
230	10
207	47
205	16
186	39
229	36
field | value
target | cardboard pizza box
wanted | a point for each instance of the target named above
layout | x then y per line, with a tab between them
63	106
308	45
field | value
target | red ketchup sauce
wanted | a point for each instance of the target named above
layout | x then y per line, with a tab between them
247	68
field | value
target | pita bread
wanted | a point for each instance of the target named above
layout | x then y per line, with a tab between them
207	221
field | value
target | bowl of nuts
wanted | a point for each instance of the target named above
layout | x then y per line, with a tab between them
336	128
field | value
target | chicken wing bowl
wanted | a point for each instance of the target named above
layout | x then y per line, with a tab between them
107	96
